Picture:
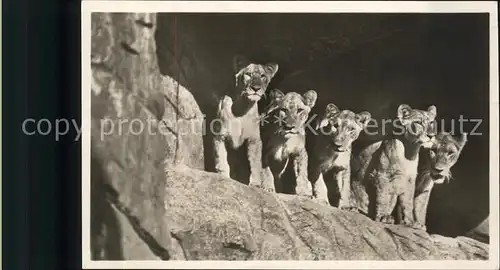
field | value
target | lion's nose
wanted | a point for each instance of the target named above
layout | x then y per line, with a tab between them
255	88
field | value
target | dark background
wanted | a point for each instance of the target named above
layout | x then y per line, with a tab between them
359	62
41	187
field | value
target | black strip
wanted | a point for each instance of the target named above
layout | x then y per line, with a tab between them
14	177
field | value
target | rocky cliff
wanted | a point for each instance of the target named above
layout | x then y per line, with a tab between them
142	123
152	200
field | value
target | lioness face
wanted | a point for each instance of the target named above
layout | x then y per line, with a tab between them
291	111
443	154
418	125
252	79
343	127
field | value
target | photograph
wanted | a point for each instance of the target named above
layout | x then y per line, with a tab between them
290	135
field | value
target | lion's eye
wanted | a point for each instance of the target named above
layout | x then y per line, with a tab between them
450	153
432	152
300	110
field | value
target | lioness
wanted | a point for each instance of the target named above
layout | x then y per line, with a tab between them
287	115
238	117
435	169
387	169
330	149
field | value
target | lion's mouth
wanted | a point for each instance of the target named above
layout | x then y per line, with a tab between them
252	90
436	176
290	132
338	148
252	95
438	179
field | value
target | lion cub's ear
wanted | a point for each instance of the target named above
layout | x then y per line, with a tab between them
275	95
404	111
310	98
462	141
240	62
271	69
432	112
363	118
331	109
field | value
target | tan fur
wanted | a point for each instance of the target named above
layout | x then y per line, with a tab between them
387	170
287	115
238	120
435	169
331	151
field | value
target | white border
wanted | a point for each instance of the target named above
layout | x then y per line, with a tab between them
291	7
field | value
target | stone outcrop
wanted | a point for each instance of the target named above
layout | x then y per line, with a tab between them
216	218
481	232
142	122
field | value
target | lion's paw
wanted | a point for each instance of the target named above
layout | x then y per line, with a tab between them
419	226
408	223
387	219
268	189
255	185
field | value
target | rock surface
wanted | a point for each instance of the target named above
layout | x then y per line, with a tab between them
481	232
128	88
216	218
142	122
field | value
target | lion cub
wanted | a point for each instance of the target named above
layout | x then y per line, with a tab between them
435	169
330	150
388	168
238	117
287	115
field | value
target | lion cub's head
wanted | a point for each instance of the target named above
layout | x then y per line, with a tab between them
252	79
418	125
343	126
289	112
443	154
